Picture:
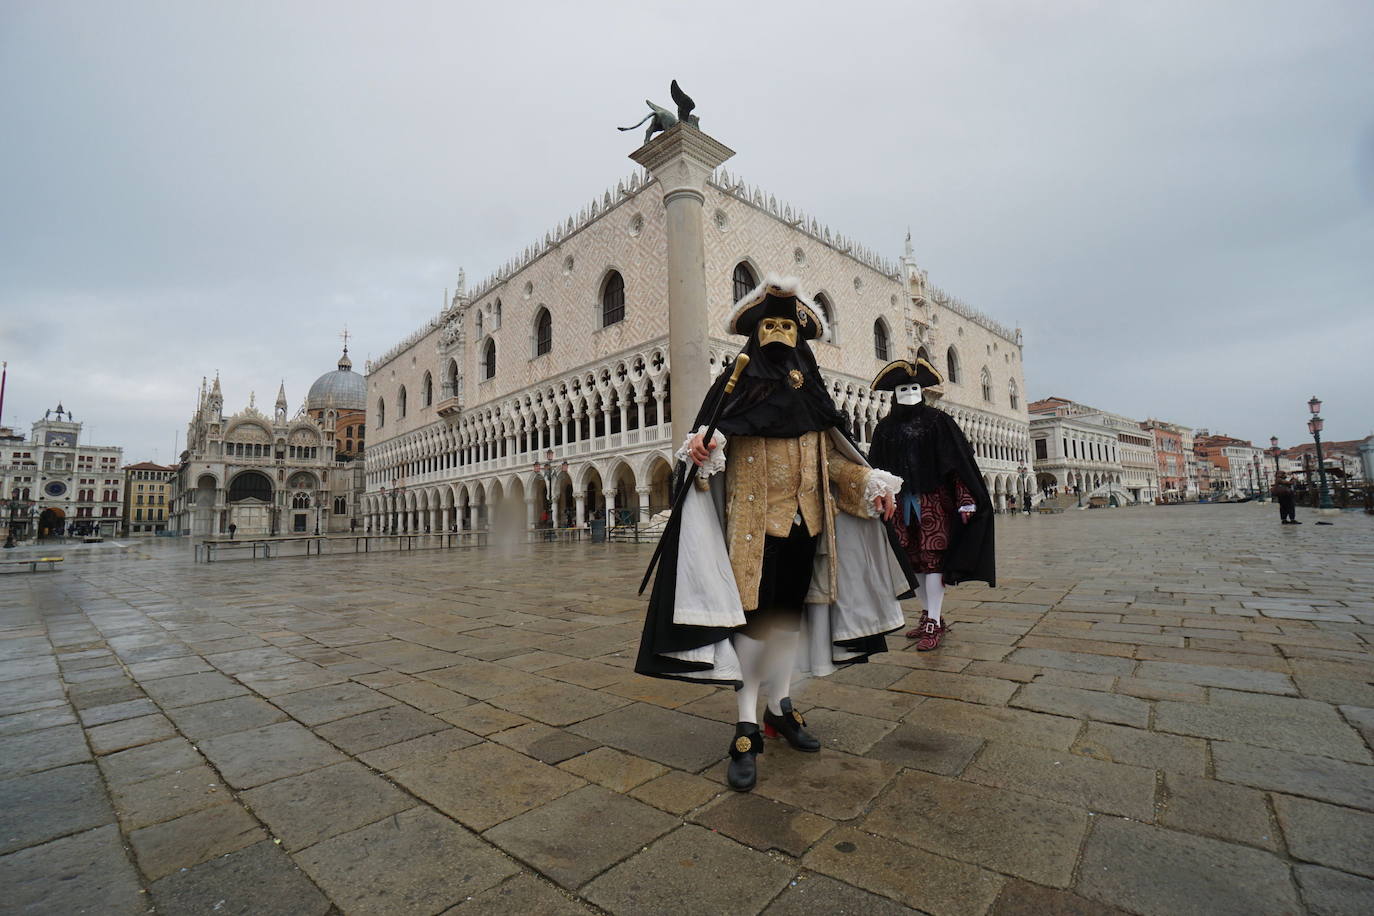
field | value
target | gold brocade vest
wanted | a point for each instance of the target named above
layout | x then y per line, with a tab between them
769	482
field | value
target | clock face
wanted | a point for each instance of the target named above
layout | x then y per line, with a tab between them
56	488
58	439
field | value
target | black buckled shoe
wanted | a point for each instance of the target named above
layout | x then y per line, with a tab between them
747	745
790	725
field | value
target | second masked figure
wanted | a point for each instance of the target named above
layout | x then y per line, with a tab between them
944	514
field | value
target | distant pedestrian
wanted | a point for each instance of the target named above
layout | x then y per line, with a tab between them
1282	491
232	529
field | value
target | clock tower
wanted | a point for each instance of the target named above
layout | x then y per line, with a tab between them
70	488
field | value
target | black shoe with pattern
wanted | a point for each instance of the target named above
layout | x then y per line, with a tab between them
790	725
745	747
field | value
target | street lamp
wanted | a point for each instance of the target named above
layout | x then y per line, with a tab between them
550	474
1259	478
16	507
1314	426
1274	453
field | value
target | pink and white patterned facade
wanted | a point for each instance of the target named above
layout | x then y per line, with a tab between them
538	357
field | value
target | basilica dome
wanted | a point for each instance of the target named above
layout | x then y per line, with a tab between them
342	389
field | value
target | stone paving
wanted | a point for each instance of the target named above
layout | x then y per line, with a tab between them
1158	711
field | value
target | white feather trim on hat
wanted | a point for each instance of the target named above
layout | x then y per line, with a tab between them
778	286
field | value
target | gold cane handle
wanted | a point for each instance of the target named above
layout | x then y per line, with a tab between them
740	362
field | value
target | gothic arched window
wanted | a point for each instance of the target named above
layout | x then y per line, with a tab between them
543	332
489	360
986	379
450	381
427	391
880	348
1013	395
401	402
744	279
612	299
827	313
952	365
381	412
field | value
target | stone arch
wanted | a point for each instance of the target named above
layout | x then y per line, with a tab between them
657	473
251	484
621	478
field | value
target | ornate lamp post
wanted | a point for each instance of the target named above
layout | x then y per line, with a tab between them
16	507
550	474
1314	426
1259	478
1274	453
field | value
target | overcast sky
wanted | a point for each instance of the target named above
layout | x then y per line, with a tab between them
1174	200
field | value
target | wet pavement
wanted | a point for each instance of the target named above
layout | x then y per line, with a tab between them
1158	711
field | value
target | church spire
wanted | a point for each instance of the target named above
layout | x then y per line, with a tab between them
281	394
345	364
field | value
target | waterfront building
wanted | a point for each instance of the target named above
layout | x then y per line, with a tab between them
1238	467
1175	461
562	356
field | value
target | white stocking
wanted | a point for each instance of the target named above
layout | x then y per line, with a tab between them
933	594
751	665
780	658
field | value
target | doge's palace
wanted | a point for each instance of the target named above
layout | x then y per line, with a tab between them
564	349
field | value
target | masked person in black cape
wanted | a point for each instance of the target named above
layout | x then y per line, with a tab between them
944	515
777	560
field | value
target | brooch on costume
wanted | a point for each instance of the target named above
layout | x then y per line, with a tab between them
795	377
742	744
798	717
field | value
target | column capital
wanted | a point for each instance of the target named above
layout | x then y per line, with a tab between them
682	158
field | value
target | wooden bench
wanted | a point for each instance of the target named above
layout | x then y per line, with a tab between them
32	563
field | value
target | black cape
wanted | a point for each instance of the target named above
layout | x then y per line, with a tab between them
764	403
925	447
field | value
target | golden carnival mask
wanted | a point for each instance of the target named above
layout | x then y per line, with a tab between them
777	330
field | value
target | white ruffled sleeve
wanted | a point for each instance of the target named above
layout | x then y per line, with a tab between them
880	482
714	464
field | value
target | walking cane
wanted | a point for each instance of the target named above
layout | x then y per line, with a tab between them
740	362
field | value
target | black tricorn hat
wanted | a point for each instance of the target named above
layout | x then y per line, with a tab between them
902	372
777	297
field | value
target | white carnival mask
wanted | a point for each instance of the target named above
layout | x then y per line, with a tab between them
909	395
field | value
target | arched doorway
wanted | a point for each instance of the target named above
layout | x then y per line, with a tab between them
626	497
52	522
203	506
251	505
660	485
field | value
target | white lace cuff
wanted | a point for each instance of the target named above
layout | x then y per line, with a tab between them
714	464
880	482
